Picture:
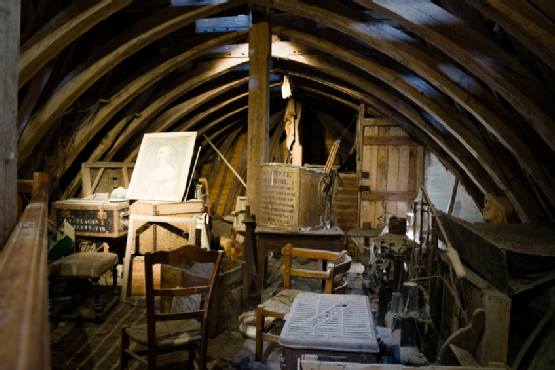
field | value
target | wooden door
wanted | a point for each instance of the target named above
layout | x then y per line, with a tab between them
391	167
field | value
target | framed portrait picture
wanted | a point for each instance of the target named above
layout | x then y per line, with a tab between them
162	166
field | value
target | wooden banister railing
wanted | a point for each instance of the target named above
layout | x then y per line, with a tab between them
23	287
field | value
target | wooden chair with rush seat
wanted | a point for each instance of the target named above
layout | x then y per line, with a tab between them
279	305
170	330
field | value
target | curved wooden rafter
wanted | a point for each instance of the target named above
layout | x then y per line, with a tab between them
477	54
204	129
489	118
116	50
76	19
174	114
129	91
397	45
426	63
404	109
410	120
525	22
186	83
449	118
160	124
520	200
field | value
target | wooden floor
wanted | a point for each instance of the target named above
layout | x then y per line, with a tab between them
85	345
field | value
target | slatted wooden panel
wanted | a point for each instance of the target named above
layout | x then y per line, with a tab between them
111	179
224	177
388	168
345	204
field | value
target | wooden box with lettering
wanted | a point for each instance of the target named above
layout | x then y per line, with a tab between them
97	218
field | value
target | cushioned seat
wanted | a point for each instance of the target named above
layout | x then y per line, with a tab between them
84	265
168	334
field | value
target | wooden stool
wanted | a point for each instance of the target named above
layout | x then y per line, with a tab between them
85	266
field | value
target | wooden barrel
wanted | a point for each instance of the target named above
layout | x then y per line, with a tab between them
291	198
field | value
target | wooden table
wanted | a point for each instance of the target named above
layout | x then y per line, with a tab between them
269	238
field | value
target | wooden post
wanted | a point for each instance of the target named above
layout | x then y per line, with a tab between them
297	150
259	105
9	74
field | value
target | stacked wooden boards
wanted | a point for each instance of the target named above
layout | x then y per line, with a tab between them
345	203
391	166
224	185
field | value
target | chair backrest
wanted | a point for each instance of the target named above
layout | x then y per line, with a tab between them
334	275
188	253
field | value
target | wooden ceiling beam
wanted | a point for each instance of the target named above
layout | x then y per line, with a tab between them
113	52
407	111
411	129
442	74
62	30
480	56
186	83
525	22
108	139
469	140
133	88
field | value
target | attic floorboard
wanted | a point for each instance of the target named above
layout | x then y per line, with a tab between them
88	346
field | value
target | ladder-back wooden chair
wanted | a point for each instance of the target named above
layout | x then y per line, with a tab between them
167	330
279	305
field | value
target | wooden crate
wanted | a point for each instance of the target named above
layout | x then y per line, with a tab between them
97	218
230	296
104	177
166	240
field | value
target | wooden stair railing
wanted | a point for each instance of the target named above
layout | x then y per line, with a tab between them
23	286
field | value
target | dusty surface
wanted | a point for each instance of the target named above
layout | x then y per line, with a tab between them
85	345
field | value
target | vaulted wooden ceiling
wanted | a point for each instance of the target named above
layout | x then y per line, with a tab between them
471	80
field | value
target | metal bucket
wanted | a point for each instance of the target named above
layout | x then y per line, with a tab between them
291	198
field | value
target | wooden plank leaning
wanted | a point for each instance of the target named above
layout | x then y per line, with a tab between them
452	253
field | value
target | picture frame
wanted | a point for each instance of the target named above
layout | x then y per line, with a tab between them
162	166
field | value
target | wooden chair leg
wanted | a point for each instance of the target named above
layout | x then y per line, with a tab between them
97	305
124	357
191	363
114	278
203	348
151	356
259	327
51	300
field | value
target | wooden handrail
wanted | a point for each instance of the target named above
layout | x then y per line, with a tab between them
23	288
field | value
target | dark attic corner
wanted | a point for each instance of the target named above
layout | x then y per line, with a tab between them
284	184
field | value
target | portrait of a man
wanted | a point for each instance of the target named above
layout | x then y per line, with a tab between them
162	166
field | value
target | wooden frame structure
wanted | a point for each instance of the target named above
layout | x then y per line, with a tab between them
89	185
131	247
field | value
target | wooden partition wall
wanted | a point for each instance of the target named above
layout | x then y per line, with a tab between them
391	166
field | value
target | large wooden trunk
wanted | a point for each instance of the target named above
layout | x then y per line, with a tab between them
97	218
166	239
291	198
